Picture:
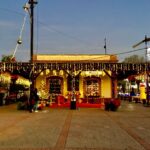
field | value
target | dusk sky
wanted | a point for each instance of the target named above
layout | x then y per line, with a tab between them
75	27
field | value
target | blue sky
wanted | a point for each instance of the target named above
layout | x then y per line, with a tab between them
75	27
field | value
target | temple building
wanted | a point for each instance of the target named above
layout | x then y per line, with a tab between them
88	84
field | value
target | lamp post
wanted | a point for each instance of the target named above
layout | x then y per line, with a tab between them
147	69
32	3
30	8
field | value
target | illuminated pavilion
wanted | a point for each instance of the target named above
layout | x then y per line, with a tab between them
90	85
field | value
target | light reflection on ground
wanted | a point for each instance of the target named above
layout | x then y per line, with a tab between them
130	107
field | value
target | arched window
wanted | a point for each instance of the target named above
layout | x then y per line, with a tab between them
55	85
92	86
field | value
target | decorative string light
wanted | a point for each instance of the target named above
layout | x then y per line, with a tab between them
19	41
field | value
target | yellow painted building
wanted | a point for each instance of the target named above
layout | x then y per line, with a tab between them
88	84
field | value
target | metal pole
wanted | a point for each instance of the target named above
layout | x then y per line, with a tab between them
31	2
105	46
32	31
147	77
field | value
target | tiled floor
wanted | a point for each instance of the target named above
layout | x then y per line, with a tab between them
81	129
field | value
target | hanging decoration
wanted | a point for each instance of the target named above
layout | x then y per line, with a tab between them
19	41
47	71
69	67
54	72
61	72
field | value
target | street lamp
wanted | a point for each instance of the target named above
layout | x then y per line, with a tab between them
147	74
30	8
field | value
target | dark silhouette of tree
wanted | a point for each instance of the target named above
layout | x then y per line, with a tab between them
8	58
134	59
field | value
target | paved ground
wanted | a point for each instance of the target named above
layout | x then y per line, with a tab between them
82	129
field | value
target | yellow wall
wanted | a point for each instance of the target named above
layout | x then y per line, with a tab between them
81	86
41	83
106	87
65	92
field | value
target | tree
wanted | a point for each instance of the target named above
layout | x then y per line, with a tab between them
134	59
8	58
122	85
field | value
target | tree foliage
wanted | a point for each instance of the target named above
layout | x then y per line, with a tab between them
134	59
8	58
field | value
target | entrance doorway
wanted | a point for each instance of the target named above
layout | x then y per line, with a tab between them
92	89
55	87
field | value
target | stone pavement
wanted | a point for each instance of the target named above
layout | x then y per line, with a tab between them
81	129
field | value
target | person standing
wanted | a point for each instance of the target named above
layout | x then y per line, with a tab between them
31	101
36	99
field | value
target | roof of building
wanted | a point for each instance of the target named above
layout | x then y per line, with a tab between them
74	58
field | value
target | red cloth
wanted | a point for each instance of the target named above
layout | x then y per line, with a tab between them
60	99
116	102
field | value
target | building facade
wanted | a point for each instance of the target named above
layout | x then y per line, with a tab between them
88	85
